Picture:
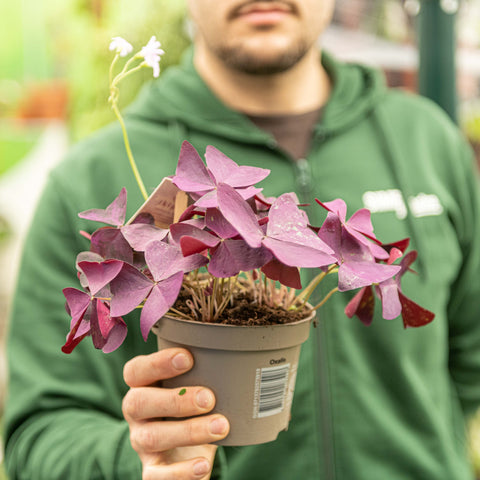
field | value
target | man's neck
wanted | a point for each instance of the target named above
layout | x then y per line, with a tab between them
303	88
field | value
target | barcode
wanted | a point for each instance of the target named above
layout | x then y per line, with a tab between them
272	390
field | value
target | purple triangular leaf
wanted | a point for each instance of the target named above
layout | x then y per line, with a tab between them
331	234
225	170
215	221
337	206
391	306
100	274
352	275
288	276
114	214
129	288
161	298
295	255
238	213
163	260
140	235
110	331
110	243
97	337
234	256
179	230
362	305
288	223
77	302
191	174
116	337
414	315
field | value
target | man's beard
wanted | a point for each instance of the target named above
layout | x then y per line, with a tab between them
244	61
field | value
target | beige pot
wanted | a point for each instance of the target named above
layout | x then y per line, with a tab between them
251	370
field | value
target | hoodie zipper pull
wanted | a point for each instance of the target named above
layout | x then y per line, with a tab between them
304	179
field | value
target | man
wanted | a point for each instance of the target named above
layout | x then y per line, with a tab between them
371	403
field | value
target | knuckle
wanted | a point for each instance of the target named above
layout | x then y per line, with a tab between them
144	439
131	404
195	432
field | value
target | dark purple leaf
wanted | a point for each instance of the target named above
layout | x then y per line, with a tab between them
288	276
100	274
161	298
234	256
108	332
216	222
129	288
110	243
414	315
192	236
362	305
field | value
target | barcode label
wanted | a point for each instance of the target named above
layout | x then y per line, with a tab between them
270	390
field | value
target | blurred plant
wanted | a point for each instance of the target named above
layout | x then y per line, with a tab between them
81	57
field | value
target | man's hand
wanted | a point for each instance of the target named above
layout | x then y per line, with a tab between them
170	448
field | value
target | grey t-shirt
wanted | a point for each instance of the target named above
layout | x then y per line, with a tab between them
293	132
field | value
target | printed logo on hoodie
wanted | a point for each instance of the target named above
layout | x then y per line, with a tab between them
392	200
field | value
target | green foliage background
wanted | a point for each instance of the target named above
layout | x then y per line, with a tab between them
69	40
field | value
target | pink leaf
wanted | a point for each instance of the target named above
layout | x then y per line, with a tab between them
114	214
100	274
161	298
239	214
191	174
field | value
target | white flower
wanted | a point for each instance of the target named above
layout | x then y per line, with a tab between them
121	46
151	53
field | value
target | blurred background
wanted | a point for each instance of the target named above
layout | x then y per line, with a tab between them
54	61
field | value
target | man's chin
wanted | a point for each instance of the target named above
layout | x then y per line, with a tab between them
261	61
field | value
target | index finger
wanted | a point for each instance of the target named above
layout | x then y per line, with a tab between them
145	370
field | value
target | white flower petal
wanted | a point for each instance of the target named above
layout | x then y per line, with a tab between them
121	46
151	52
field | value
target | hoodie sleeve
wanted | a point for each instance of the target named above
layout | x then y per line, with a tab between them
464	305
63	415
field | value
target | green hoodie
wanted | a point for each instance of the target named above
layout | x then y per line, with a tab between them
377	402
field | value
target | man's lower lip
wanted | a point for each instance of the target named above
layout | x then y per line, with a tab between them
268	17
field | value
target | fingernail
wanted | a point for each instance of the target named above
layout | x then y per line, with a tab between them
181	362
204	398
201	468
218	426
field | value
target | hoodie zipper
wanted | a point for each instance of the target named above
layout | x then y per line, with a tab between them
321	378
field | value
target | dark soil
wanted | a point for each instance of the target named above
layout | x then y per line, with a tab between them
246	312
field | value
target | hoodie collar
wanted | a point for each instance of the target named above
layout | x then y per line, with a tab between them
181	96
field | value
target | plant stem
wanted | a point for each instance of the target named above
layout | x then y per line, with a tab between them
133	165
310	288
327	296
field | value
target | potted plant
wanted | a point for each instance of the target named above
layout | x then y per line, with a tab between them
214	266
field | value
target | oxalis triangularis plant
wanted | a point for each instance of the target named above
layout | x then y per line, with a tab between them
230	241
